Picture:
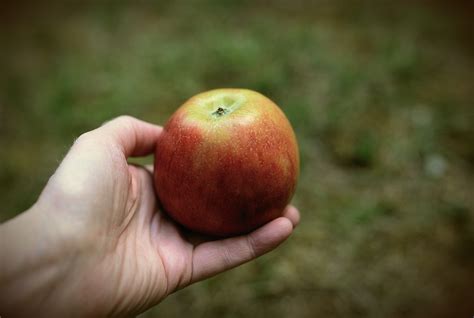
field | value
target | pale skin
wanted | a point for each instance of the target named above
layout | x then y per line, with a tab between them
95	244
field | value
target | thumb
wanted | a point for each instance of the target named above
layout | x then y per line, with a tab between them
134	137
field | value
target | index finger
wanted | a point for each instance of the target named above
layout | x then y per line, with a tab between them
213	257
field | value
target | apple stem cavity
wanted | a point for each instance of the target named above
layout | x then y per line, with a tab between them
222	104
220	111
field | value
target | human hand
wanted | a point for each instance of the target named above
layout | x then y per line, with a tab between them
95	243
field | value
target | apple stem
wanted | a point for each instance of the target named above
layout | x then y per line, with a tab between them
220	111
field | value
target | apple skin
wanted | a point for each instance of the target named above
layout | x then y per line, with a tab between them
226	163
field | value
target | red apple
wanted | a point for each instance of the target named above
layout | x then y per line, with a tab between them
226	163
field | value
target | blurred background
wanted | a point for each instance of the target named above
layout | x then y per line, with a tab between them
380	94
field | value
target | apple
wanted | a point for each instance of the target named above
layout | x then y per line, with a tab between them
226	163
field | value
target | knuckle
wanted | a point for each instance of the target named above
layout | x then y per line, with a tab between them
122	120
125	120
251	246
124	123
83	138
227	259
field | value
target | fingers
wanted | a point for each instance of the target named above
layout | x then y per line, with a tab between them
133	136
195	239
214	257
292	214
149	168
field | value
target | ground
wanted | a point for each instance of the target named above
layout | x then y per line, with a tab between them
380	95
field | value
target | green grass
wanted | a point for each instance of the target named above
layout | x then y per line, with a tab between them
380	97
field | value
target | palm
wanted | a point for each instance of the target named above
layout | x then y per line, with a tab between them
133	255
155	258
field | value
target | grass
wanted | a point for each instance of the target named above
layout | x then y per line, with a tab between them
380	96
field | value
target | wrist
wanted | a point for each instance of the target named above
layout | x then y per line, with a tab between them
34	263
